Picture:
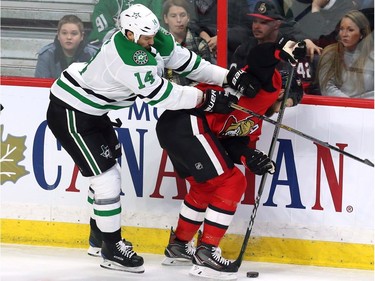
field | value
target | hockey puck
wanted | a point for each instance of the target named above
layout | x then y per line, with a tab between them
252	274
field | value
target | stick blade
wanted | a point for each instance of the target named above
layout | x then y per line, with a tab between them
368	162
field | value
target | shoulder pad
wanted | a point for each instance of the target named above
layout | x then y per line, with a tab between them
131	53
164	42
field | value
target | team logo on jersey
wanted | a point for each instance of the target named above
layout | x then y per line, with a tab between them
106	152
235	128
140	57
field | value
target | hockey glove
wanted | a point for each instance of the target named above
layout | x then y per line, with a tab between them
243	82
217	101
300	50
290	51
258	162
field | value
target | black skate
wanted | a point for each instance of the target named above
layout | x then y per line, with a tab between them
178	252
120	256
95	242
208	263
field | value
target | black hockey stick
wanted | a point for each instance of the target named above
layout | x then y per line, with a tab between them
239	259
299	133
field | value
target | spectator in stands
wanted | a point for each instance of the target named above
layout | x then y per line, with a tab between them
364	4
106	13
318	18
176	15
68	47
346	68
205	23
266	27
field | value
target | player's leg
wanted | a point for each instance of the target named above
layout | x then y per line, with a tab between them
181	248
228	191
95	238
81	135
193	150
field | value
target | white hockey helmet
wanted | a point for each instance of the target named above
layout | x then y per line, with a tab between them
140	20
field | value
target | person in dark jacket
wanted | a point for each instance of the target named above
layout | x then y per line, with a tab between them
68	47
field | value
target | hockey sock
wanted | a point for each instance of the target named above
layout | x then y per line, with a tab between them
229	190
107	204
193	209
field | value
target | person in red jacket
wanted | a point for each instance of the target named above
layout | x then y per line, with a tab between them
204	149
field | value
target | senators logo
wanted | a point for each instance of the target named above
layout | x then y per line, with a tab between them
234	128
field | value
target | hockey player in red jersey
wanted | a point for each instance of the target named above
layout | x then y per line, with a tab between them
204	149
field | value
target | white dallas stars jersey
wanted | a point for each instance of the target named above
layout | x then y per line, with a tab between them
121	71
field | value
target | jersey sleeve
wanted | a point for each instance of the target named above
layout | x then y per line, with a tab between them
186	62
158	91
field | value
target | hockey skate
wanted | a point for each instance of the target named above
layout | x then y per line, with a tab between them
178	252
95	243
208	263
120	256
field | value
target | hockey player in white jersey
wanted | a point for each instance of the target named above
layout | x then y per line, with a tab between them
128	66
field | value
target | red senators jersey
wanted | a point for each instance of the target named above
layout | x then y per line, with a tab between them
239	123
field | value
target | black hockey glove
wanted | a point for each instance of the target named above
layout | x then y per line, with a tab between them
258	162
217	101
243	82
291	51
300	50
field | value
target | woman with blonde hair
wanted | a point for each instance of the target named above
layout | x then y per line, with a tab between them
346	68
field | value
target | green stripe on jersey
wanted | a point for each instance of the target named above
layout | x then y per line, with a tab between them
196	64
164	96
86	100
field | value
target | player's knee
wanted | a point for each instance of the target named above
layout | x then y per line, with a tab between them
107	185
231	188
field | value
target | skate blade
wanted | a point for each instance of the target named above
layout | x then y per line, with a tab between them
205	272
116	266
176	262
94	251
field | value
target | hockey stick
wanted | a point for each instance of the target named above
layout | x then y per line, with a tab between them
239	259
299	133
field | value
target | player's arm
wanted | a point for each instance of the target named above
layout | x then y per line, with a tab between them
261	63
188	63
160	92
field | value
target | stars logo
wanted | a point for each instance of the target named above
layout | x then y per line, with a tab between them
140	57
106	152
136	15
